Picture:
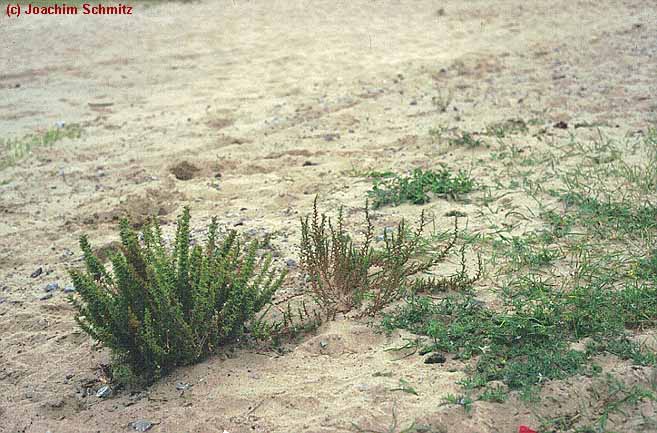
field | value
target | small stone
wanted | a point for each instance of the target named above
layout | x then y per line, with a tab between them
362	387
37	272
104	392
309	164
142	425
291	263
51	287
435	358
182	386
69	289
331	137
413	102
561	125
323	344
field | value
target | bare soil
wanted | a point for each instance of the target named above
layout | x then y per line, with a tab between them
274	102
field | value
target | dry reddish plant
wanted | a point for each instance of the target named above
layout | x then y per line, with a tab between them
344	276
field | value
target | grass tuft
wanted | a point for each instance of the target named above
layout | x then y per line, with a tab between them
13	150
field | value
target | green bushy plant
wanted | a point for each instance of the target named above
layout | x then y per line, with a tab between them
158	309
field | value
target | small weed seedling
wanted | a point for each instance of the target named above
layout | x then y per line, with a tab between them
460	400
406	387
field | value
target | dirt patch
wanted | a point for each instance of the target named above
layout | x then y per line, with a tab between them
220	123
105	252
184	170
139	208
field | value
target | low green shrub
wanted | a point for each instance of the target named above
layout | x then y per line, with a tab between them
392	189
159	309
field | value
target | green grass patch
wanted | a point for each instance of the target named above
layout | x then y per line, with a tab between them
528	341
393	189
604	216
527	251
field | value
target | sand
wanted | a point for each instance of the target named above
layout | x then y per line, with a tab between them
249	92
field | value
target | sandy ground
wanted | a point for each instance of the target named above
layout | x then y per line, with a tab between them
250	91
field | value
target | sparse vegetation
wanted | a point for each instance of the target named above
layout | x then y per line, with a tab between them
393	189
465	139
609	401
460	400
158	310
14	149
528	341
508	127
443	99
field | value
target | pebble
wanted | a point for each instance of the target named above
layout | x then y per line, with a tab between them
291	263
104	392
141	425
37	272
331	137
69	289
386	231
323	344
181	386
51	287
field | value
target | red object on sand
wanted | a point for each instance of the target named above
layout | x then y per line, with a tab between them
525	429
